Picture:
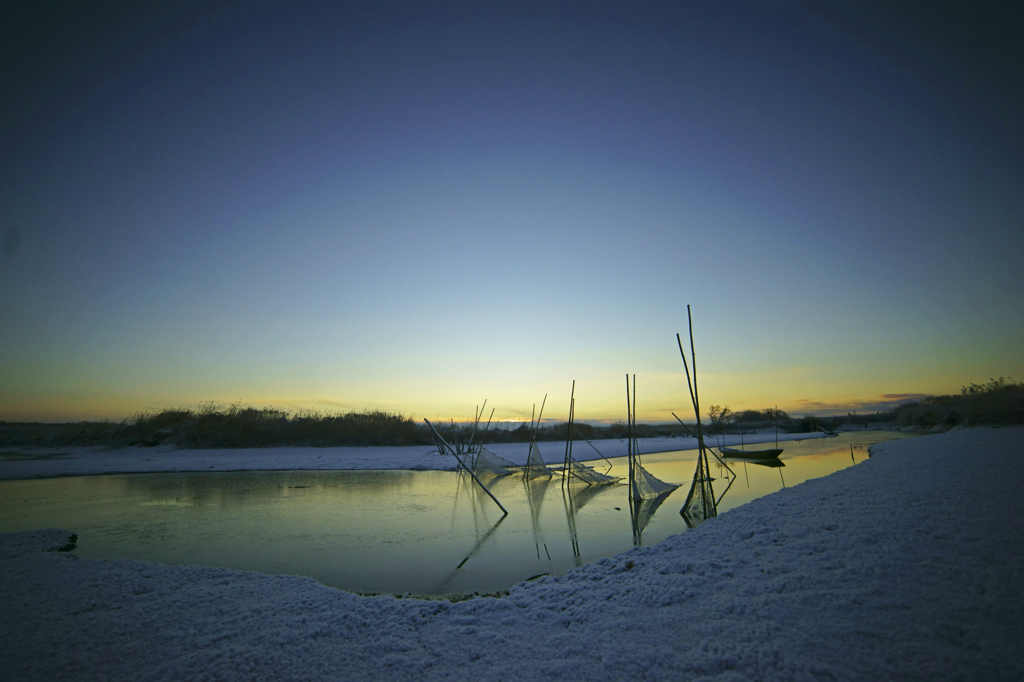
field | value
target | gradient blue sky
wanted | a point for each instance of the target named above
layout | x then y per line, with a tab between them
416	206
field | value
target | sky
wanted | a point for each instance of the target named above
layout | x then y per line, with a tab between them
418	206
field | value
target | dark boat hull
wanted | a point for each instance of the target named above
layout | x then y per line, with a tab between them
772	453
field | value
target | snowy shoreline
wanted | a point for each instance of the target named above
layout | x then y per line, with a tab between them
25	463
907	566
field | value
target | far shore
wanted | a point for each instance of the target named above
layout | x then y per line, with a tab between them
22	463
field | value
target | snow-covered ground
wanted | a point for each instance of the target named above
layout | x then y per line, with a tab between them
80	461
907	566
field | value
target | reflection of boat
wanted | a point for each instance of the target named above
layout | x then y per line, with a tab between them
753	455
771	453
771	462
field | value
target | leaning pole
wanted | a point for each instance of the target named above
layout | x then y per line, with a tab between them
459	460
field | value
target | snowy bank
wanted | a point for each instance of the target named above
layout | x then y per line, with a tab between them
907	566
21	463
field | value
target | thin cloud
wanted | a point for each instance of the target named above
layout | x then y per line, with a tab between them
884	402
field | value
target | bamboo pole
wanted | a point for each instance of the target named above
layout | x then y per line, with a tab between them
709	447
629	438
578	433
568	446
636	443
488	427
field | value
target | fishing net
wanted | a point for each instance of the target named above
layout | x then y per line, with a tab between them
580	492
489	463
700	502
589	475
645	485
535	465
642	510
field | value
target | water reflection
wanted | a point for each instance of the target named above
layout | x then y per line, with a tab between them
574	496
425	532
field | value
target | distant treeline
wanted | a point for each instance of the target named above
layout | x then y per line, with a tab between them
239	426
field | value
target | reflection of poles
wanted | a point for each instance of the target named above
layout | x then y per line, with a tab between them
471	472
629	443
444	583
731	481
455	505
851	453
534	517
570	517
634	517
481	541
746	474
783	480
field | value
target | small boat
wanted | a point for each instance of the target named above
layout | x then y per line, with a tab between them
772	453
754	455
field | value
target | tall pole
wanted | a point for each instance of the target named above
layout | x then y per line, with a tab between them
636	443
568	440
629	438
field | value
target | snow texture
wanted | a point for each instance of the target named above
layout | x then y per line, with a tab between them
905	567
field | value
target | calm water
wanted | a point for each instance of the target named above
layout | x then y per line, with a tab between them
424	532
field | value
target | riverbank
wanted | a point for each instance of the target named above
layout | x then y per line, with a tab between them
21	463
907	566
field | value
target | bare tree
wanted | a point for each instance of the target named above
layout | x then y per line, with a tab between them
721	416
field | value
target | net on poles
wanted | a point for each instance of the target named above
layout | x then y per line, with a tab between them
535	465
491	464
589	475
642	510
581	492
646	486
700	502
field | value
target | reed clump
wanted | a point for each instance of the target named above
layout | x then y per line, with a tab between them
998	402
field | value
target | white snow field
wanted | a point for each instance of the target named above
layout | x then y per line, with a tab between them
906	567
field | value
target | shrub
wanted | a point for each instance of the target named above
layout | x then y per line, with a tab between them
998	402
